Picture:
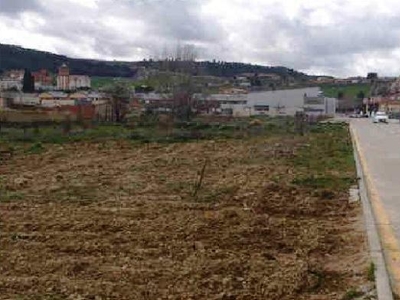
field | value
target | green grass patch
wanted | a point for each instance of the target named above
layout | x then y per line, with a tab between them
371	272
36	148
352	294
55	135
349	91
324	161
7	196
101	82
324	182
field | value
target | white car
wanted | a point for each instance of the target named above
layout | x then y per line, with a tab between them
380	116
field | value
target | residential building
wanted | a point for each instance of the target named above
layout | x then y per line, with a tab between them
53	95
52	99
66	81
395	87
79	82
232	91
14	74
12	80
7	83
17	98
79	96
242	81
5	100
43	80
391	107
325	79
26	99
95	96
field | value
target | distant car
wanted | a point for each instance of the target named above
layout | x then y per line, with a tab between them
359	115
380	116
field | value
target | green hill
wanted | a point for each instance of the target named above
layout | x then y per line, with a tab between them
348	91
16	57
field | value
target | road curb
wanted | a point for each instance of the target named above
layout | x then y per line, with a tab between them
382	279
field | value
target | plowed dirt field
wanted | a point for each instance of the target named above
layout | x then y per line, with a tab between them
114	220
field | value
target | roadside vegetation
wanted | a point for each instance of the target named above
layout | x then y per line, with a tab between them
212	208
101	82
348	91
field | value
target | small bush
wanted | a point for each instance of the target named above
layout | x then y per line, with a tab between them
352	294
36	148
371	272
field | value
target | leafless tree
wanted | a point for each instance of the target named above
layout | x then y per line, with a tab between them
119	95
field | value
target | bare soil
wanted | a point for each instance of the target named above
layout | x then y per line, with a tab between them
114	220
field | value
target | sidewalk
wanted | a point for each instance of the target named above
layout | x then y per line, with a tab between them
379	159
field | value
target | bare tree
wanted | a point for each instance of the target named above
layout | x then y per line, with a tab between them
179	60
119	95
183	100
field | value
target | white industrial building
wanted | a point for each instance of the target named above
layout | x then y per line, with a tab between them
274	103
280	102
319	105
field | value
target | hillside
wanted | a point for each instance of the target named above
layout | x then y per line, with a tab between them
223	69
15	57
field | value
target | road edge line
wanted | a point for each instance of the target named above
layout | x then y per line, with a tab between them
382	278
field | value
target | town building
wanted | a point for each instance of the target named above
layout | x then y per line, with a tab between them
17	98
319	105
270	103
392	108
79	82
66	81
14	74
279	102
5	100
54	99
226	104
26	99
231	90
12	80
43	80
7	83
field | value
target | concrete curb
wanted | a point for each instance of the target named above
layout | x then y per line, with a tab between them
382	279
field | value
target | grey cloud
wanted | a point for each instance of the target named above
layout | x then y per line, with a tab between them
12	7
166	23
273	39
335	49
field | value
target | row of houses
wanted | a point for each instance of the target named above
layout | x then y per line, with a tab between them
44	80
389	104
340	81
86	105
55	98
270	103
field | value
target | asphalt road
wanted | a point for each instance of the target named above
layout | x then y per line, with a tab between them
379	149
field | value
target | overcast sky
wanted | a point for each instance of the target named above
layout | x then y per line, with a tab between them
333	37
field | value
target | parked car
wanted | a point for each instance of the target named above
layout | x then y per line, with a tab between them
380	116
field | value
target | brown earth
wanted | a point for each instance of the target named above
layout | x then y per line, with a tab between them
116	221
